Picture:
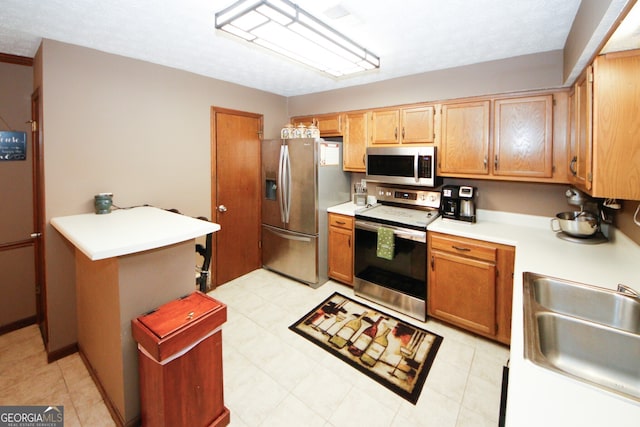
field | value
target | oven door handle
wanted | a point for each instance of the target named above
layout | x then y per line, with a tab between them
401	233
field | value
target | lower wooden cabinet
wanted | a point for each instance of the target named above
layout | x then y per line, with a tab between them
471	284
341	239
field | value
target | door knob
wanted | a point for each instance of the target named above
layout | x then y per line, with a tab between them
222	208
34	235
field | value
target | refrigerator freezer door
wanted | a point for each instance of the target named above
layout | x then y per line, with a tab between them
291	254
272	212
303	186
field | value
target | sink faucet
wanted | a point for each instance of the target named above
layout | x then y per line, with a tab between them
628	290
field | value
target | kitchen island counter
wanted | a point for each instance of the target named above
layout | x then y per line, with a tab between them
538	396
126	231
127	263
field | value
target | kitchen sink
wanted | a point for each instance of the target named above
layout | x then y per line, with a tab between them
587	302
585	332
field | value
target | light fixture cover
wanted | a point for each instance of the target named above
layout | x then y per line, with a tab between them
285	28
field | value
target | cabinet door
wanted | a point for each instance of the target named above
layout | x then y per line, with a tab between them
330	124
580	166
463	291
384	127
417	125
341	254
354	146
307	121
616	126
465	138
523	137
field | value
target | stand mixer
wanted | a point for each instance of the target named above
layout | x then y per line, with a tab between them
575	225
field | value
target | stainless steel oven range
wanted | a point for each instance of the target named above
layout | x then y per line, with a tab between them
393	271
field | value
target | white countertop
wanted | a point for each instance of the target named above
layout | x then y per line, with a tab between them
127	231
347	208
537	396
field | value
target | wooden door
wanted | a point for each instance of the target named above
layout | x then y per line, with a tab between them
463	291
340	258
384	127
583	135
523	137
18	240
355	142
417	125
236	193
616	125
465	138
39	221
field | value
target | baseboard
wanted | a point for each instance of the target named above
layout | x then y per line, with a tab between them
52	356
115	414
18	324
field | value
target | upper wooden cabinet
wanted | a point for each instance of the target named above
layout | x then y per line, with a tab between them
515	137
354	146
523	136
413	125
521	145
328	124
616	126
580	131
464	143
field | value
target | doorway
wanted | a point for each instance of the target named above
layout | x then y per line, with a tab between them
236	193
19	237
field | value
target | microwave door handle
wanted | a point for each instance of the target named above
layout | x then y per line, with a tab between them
415	167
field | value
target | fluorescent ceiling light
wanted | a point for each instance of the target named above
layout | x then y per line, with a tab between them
283	27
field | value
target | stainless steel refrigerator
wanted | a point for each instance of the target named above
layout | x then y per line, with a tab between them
301	179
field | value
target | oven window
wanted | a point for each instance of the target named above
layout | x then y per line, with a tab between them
405	273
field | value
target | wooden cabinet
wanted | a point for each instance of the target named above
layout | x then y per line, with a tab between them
471	284
328	124
615	163
414	125
464	144
354	146
521	145
580	128
523	137
341	240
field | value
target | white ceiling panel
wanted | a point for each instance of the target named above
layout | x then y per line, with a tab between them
410	36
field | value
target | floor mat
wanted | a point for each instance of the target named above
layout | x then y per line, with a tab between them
395	353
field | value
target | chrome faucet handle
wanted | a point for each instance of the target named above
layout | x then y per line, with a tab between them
627	290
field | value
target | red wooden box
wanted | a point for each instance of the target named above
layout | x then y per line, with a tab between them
180	363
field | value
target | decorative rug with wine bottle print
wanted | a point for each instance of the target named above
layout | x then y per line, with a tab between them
396	354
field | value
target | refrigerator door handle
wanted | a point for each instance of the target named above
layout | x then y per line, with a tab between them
280	183
288	178
290	236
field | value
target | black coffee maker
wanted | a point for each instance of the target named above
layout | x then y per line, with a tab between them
458	202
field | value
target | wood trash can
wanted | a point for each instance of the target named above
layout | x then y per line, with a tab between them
180	363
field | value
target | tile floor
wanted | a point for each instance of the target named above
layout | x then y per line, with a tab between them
273	377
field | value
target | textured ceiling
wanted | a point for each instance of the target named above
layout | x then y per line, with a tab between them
410	36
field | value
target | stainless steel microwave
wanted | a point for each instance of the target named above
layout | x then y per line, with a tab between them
402	165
